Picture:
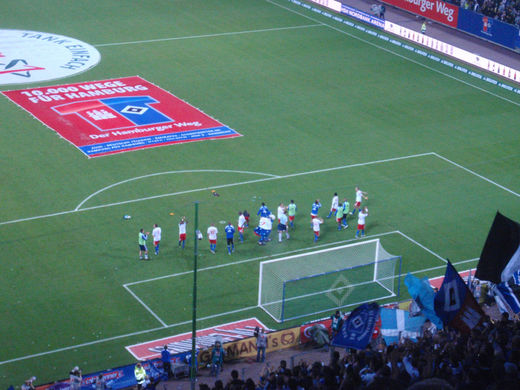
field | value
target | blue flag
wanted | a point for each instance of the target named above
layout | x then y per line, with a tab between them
504	292
422	293
397	323
516	277
358	327
455	304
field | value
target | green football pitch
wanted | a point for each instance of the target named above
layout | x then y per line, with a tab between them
322	107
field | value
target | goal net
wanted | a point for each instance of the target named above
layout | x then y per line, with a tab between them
327	279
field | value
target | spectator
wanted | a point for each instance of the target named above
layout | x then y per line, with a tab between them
29	384
261	344
217	358
101	383
235	383
166	361
75	378
140	376
218	385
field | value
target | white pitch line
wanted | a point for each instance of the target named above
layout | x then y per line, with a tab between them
397	54
145	306
121	336
213	267
476	174
208	35
443	266
141	332
167	173
422	246
275	177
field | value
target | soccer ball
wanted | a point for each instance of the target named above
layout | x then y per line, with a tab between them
272	217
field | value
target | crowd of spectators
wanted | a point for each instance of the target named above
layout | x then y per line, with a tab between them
486	359
507	11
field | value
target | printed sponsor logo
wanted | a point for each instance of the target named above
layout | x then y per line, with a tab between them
33	56
437	10
487	25
118	115
245	348
305	335
205	339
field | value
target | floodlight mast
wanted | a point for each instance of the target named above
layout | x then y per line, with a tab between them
193	361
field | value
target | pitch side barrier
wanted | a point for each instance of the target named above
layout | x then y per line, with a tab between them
120	377
468	21
422	40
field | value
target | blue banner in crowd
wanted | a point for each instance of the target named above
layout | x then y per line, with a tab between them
422	293
488	28
118	378
358	327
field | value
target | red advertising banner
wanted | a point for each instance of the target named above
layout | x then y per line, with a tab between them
305	335
205	338
118	115
437	10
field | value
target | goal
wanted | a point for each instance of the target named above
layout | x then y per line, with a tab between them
314	282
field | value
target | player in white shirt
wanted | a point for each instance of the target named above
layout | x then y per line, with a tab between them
241	225
361	222
212	237
316	222
282	226
182	232
334	205
360	195
156	233
280	211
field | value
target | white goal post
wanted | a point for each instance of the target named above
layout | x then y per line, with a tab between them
327	279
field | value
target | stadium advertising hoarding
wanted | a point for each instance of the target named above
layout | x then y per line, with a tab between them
455	52
348	11
115	378
332	4
205	338
362	16
118	115
489	28
436	10
305	330
246	348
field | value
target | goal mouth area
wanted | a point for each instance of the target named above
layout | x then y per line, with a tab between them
314	282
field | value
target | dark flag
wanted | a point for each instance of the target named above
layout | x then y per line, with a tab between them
500	258
455	304
357	329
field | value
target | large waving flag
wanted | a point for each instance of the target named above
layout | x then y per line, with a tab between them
455	304
500	258
357	329
422	293
506	294
397	323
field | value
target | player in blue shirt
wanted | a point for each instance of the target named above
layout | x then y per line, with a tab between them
263	211
230	232
314	209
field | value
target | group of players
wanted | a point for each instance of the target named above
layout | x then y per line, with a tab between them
285	216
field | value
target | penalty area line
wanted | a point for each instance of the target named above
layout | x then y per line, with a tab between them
272	177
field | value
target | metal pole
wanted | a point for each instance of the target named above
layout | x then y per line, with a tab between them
193	371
